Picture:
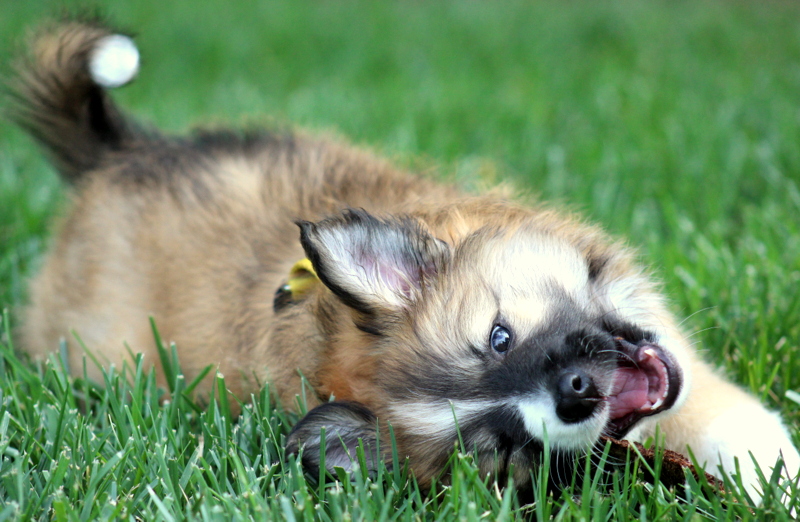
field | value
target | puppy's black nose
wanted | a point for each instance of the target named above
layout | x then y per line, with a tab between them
576	395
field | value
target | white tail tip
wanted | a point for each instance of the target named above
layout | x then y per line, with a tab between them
114	61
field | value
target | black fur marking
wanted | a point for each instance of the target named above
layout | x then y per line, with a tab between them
629	332
370	329
438	379
249	143
187	164
479	353
105	128
596	264
503	423
588	343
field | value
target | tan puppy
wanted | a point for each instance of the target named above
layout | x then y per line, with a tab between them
410	303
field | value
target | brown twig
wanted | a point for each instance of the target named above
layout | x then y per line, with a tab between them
673	463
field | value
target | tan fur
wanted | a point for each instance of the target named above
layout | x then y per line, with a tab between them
200	238
122	255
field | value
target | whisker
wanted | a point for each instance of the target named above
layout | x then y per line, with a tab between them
622	354
700	331
695	313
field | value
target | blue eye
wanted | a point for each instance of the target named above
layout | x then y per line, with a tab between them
500	340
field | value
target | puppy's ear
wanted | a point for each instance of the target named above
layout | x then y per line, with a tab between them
372	264
345	423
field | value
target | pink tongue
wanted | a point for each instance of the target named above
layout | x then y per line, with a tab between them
631	387
639	388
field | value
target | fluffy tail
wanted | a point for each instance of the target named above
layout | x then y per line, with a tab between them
61	94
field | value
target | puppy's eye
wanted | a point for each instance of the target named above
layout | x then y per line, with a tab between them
500	340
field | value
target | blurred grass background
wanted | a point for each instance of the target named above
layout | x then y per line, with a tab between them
674	124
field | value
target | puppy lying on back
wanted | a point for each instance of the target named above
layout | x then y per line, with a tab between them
412	304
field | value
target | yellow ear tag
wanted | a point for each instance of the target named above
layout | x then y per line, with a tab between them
302	278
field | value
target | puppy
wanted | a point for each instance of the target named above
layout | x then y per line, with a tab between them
403	301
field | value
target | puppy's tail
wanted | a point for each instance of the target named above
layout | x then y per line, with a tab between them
61	94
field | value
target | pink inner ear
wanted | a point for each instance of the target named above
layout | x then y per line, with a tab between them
385	272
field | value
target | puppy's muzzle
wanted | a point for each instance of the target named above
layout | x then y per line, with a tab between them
645	381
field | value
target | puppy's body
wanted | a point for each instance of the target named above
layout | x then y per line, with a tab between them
203	248
428	305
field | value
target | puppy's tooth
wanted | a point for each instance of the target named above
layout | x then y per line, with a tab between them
649	352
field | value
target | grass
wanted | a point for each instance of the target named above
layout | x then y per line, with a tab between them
675	124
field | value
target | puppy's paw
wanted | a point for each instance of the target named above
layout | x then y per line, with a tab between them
753	436
346	426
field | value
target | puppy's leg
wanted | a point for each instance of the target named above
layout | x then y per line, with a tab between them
720	423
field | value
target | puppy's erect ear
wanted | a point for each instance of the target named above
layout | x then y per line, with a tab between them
345	424
371	263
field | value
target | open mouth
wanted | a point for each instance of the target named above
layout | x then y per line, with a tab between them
646	382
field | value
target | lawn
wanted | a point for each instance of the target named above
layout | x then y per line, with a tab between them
674	124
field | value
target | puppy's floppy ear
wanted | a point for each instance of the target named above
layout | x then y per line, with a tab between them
345	424
371	263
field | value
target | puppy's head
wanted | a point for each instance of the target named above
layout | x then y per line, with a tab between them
523	328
